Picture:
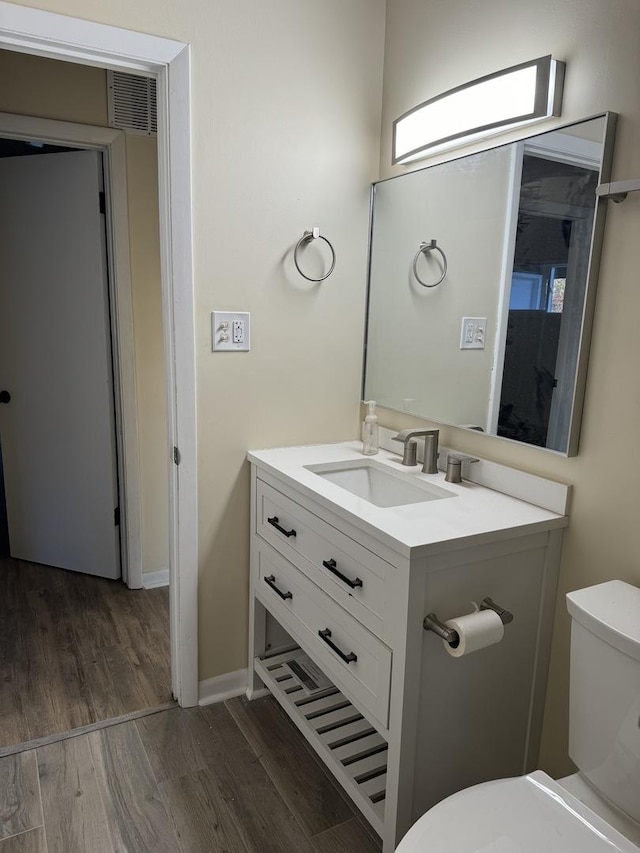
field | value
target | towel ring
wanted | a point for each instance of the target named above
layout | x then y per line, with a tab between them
308	237
424	249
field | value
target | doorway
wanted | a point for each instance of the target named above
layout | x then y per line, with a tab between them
55	36
77	648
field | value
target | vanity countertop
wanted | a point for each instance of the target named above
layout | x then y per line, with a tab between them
474	515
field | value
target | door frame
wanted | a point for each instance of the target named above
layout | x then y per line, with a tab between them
111	143
54	36
506	270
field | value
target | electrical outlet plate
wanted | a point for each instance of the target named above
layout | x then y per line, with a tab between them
230	331
473	332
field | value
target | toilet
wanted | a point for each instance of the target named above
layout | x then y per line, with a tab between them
596	810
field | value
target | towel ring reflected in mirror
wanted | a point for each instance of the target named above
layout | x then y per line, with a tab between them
425	249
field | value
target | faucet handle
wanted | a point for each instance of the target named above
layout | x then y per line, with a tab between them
409	456
454	466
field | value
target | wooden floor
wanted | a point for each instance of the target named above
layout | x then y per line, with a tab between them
76	649
235	777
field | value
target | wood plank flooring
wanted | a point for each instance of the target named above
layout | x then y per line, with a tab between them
180	781
75	650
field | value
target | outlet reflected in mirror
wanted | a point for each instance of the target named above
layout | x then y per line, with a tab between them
502	344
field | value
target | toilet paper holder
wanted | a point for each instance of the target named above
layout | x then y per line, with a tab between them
449	635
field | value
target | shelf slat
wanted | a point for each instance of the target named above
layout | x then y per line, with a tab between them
335	719
362	746
374	786
337	737
368	765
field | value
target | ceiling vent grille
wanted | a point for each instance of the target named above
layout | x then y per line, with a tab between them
132	103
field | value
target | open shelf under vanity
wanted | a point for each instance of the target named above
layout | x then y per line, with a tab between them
352	749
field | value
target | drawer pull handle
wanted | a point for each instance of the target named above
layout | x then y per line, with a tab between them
331	565
349	658
274	523
270	580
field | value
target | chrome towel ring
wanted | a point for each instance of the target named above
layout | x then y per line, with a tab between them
424	249
308	237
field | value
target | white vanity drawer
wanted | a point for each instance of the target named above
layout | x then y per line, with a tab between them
348	653
354	576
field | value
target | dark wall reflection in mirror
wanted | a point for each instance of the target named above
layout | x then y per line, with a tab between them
502	344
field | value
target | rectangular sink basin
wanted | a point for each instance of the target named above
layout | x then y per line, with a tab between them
377	484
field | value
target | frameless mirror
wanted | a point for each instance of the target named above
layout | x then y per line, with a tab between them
501	344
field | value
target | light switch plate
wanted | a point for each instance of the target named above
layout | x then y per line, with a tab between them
230	331
473	332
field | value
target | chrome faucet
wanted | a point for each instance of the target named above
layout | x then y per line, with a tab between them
408	436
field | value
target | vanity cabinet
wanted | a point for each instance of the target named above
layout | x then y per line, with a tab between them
400	723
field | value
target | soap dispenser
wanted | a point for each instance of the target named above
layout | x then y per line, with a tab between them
370	444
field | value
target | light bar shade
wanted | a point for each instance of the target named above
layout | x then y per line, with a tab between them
519	95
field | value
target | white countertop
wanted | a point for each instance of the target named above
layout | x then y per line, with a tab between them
474	515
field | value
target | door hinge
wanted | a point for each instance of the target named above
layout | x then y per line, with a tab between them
103	202
176	455
116	516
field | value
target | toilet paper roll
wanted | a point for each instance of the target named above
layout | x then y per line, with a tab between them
476	631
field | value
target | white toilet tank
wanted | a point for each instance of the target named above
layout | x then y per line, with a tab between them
604	726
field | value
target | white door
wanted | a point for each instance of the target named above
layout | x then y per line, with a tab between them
57	430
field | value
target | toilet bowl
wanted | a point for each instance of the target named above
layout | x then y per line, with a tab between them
597	810
528	814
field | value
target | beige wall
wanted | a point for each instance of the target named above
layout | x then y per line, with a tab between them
286	129
434	46
286	106
142	190
61	91
64	91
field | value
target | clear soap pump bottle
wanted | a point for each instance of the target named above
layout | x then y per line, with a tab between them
370	445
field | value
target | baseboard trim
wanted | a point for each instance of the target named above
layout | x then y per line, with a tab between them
152	580
257	694
222	687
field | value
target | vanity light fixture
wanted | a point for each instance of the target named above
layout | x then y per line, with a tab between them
522	94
